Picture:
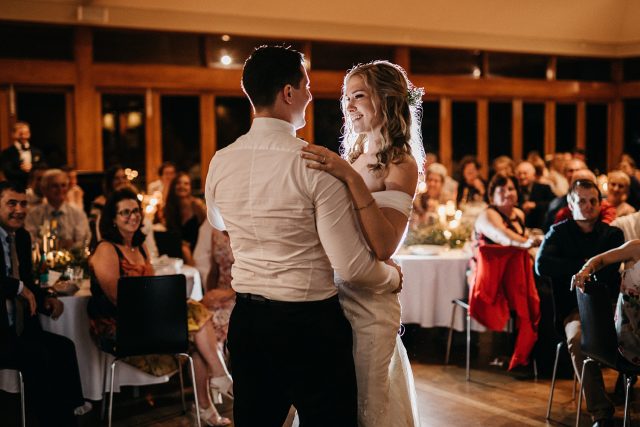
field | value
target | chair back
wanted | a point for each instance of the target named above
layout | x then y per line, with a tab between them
169	243
599	338
152	315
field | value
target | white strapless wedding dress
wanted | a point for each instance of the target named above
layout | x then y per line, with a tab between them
386	391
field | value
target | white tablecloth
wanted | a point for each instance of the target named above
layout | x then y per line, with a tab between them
74	324
431	282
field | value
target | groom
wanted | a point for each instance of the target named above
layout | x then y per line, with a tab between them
290	228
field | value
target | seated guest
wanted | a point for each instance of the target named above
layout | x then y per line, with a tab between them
47	361
558	182
75	195
570	167
472	187
534	197
69	223
183	214
166	172
628	166
427	203
213	259
607	211
504	165
618	191
34	189
114	179
123	253
563	252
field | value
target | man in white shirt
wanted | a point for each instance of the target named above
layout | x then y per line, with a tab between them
69	224
17	160
290	227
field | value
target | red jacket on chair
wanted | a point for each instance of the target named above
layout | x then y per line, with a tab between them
504	282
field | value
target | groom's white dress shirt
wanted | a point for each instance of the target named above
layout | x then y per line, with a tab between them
290	226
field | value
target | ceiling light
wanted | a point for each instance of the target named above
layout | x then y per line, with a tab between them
225	60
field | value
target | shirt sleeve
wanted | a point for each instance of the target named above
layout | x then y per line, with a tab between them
342	240
213	212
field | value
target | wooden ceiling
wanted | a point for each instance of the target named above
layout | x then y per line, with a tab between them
605	28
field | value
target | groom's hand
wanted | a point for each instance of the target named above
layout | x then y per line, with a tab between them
397	267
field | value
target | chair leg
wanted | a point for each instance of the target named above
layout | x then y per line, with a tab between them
103	410
579	409
111	382
453	318
468	346
553	379
22	399
535	369
184	403
628	381
575	383
195	389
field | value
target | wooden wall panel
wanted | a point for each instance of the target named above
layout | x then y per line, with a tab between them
581	125
5	121
517	143
207	133
615	139
446	153
482	113
153	134
87	143
549	127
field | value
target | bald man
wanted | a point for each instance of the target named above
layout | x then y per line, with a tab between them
533	197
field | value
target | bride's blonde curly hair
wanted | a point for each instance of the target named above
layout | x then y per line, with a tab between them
398	103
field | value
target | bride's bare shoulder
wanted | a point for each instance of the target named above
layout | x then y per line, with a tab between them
402	176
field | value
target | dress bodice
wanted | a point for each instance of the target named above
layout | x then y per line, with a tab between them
398	200
631	280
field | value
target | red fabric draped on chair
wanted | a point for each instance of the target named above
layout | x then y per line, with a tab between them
504	282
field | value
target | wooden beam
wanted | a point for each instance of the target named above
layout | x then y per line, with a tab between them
207	133
482	114
88	145
72	158
446	150
552	68
581	125
402	57
517	144
615	136
37	72
5	119
629	90
153	134
549	127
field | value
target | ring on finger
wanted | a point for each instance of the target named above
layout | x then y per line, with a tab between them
323	160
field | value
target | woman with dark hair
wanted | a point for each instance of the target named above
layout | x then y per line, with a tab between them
472	187
122	252
183	214
114	179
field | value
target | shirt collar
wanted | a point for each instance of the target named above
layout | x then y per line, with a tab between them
20	147
3	234
262	124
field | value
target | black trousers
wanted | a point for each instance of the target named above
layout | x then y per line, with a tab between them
52	381
285	354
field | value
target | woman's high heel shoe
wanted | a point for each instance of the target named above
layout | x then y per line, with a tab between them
220	386
211	417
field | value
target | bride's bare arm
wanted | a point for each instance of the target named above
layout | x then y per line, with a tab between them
381	227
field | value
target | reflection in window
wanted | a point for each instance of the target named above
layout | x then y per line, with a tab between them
597	137
342	56
565	127
46	115
499	129
233	119
532	128
327	123
181	134
231	51
431	126
632	128
464	129
123	134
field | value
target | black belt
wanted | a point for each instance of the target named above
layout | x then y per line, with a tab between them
259	299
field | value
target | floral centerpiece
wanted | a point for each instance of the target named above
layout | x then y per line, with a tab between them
439	234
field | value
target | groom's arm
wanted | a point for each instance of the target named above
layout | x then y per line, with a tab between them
343	241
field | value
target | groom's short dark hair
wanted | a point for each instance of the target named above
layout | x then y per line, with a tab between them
269	69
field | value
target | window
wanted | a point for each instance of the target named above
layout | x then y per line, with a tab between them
632	128
500	125
532	128
35	41
181	134
631	69
123	133
147	47
597	137
585	69
342	56
228	51
518	65
431	126
46	115
565	127
445	61
464	130
233	119
327	123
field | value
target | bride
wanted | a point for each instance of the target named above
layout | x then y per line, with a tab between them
382	147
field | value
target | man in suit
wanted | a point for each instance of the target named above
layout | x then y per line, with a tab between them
48	362
533	196
18	160
563	252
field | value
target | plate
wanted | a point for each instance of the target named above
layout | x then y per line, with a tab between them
426	249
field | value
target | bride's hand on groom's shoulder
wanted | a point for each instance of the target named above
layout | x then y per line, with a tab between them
397	267
323	159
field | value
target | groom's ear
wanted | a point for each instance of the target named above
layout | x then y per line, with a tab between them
287	93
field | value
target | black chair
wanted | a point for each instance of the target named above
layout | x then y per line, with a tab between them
152	319
599	339
559	347
169	243
22	396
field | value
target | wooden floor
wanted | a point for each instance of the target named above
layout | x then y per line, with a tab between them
494	397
